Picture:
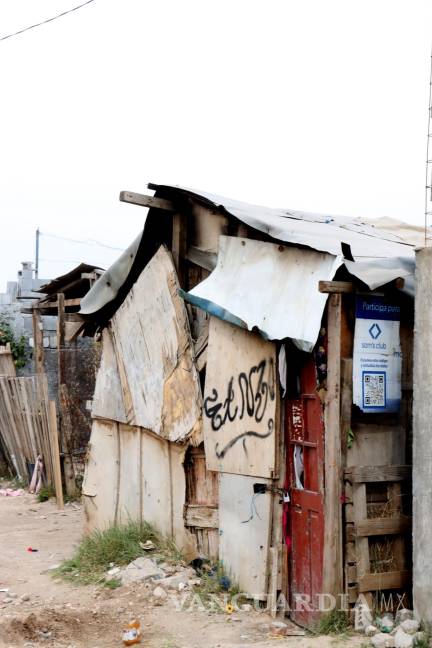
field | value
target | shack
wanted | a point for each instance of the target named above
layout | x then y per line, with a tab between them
253	400
69	362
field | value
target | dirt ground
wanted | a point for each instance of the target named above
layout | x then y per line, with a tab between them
53	614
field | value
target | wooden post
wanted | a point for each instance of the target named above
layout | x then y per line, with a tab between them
38	342
361	542
179	245
273	578
61	328
332	563
55	454
60	338
346	404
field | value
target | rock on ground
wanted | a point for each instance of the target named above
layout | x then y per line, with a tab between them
141	569
403	614
174	582
159	593
402	639
371	630
383	640
410	626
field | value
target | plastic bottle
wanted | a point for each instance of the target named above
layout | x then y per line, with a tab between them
132	633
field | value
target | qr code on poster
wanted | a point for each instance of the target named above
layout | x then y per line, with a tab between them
374	389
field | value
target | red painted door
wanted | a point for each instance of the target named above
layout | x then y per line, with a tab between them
305	470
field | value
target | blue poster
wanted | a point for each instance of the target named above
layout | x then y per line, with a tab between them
377	361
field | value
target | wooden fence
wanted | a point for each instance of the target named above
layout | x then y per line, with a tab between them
28	427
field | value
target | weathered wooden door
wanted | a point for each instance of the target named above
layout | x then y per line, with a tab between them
305	470
201	513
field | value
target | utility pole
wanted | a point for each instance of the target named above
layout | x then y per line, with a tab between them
37	254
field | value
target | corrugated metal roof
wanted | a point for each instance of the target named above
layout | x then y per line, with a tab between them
322	232
69	280
366	247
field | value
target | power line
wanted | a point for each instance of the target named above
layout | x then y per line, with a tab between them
82	241
63	261
43	22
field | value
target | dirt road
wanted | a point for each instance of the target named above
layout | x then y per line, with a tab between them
54	614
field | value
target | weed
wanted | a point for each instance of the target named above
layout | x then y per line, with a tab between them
45	493
117	544
69	499
425	642
335	622
112	583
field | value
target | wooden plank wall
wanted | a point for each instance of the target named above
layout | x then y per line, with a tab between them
376	456
134	474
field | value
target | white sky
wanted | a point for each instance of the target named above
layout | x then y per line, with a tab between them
318	105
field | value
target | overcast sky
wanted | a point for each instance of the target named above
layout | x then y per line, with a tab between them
319	105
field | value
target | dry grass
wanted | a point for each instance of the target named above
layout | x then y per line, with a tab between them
382	555
382	552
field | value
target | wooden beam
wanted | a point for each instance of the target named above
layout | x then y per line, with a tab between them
146	201
394	492
384	581
72	330
55	454
378	474
74	317
273	579
202	516
361	543
336	287
346	403
70	302
383	526
38	347
46	305
201	258
179	245
92	276
333	561
60	338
